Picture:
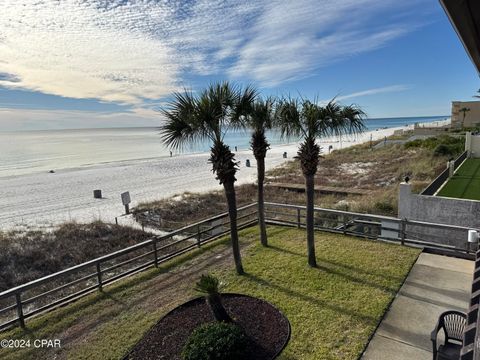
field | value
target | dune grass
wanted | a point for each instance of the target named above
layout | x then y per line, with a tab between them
333	309
465	183
29	255
379	170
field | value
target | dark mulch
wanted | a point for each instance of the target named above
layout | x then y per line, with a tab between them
267	328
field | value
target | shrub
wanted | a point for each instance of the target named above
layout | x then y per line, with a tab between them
384	206
442	150
28	255
216	341
413	144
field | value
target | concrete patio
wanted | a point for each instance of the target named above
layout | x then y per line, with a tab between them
435	284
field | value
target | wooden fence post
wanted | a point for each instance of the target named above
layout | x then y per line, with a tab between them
298	218
99	276
21	319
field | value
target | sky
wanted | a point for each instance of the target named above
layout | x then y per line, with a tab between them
111	63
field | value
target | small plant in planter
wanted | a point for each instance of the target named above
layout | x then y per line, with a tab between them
220	340
216	341
209	286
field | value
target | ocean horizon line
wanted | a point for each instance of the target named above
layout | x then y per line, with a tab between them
443	117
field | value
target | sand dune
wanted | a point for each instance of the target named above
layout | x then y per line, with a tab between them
42	200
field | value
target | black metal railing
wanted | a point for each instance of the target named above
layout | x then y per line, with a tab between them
435	185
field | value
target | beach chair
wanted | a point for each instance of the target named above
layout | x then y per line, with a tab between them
452	323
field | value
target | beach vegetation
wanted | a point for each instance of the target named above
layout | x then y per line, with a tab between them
310	121
208	116
32	254
353	167
260	119
441	145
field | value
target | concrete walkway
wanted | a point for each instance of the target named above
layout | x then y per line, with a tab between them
435	284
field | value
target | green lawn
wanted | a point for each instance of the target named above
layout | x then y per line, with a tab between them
333	309
465	183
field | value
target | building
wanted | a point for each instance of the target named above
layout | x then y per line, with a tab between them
468	118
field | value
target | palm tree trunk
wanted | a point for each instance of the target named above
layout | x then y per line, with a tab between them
214	301
232	212
261	204
310	188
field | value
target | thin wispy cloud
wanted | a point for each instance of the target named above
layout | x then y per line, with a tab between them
34	119
130	51
376	91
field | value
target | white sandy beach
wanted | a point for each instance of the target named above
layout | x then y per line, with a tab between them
45	199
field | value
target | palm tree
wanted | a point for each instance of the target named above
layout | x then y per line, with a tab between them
209	116
308	120
258	120
464	110
209	286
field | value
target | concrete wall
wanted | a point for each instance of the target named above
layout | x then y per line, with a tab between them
472	117
472	145
440	210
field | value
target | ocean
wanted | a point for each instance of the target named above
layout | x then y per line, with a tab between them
26	152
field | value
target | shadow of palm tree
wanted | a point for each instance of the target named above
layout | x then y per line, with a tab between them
321	260
292	293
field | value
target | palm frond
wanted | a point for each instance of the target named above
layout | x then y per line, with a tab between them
244	106
334	119
181	125
355	117
288	118
207	285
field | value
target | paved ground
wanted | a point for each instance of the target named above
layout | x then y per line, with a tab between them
435	284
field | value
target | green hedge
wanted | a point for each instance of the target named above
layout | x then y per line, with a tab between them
216	341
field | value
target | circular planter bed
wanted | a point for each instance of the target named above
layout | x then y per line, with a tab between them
267	329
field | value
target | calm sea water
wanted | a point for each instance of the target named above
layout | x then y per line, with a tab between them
33	151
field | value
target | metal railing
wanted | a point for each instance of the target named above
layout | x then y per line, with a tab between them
27	300
34	297
435	185
447	238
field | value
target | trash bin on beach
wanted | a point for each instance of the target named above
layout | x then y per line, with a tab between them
97	194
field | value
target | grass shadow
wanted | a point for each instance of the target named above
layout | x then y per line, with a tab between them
295	294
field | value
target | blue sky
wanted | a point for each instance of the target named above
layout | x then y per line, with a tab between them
109	63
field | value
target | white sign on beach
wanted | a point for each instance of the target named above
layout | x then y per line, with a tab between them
126	198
